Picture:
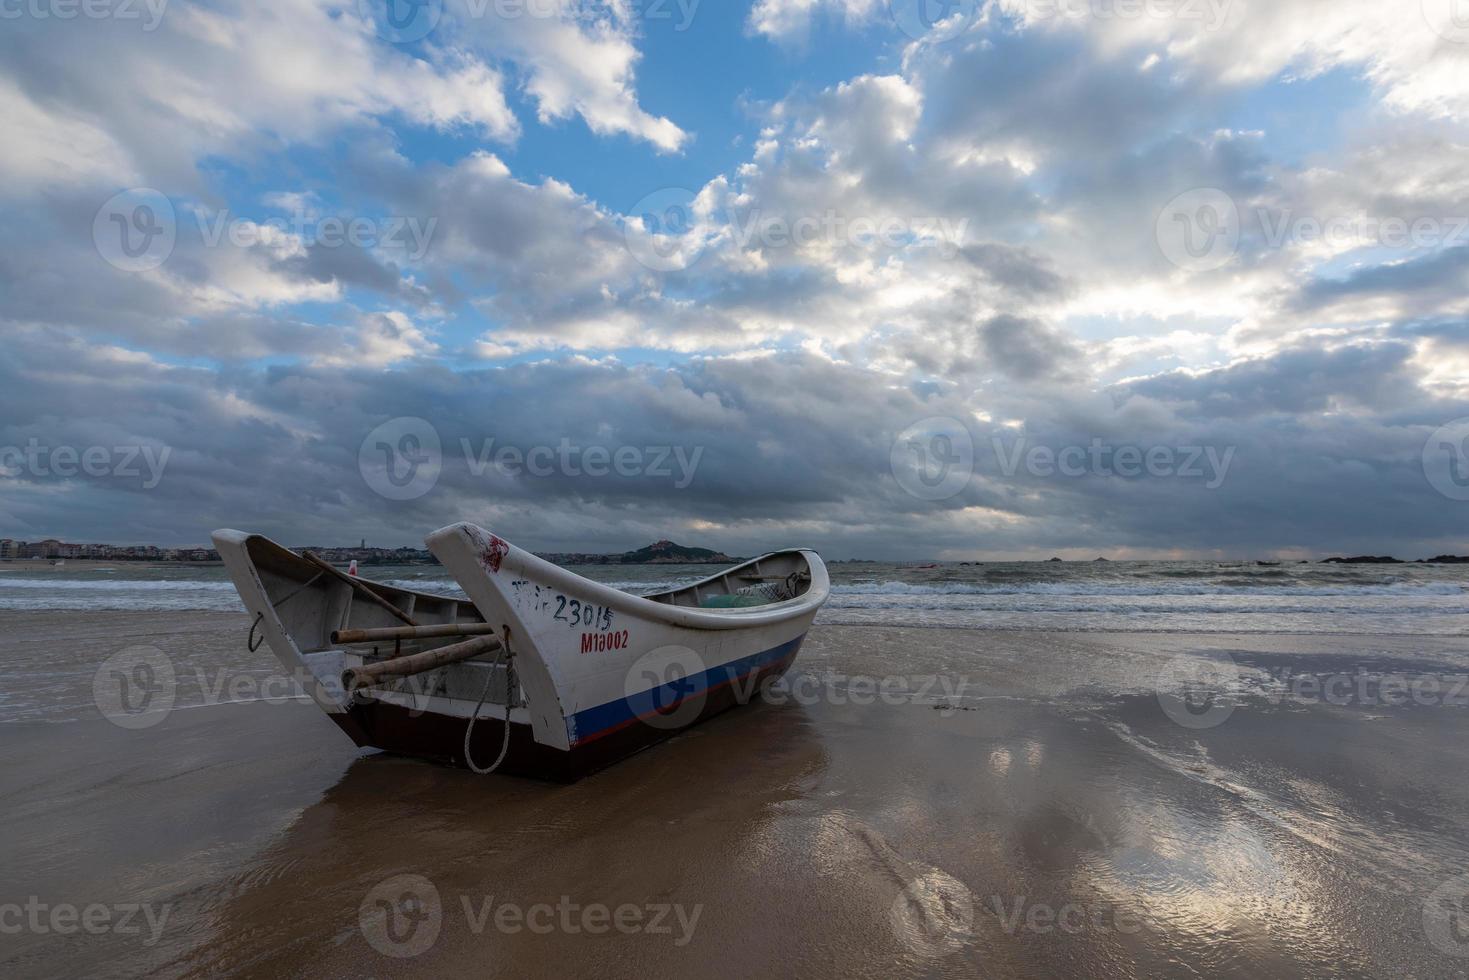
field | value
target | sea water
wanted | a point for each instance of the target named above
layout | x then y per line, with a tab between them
1123	596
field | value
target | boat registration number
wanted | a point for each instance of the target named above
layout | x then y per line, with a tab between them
564	609
602	642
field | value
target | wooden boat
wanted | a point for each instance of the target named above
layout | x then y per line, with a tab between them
540	672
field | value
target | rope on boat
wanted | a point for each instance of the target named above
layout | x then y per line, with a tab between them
508	656
250	640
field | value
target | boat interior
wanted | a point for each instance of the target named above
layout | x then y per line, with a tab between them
340	623
764	581
315	601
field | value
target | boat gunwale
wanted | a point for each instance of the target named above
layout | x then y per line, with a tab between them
519	561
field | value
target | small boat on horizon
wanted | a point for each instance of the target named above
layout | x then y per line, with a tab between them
540	672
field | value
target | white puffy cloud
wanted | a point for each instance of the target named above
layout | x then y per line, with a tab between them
240	79
1413	51
574	65
791	19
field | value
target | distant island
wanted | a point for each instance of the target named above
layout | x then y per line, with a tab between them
657	553
1388	560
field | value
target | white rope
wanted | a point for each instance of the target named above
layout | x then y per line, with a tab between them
509	657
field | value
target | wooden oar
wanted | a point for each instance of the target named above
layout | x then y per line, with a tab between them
394	634
371	675
360	586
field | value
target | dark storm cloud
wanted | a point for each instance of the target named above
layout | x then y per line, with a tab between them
351	265
1419	280
1027	349
791	448
1021	273
1295	382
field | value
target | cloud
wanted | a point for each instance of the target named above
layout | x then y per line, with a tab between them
788	448
1409	53
968	230
577	66
788	20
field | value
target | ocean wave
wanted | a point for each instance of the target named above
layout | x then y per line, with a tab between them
1143	604
199	602
115	585
894	588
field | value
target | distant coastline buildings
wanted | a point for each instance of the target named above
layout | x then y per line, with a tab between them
51	548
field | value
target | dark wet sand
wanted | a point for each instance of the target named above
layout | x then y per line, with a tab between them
823	838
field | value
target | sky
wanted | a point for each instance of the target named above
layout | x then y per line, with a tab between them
896	279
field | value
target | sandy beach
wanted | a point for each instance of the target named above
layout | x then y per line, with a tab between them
917	803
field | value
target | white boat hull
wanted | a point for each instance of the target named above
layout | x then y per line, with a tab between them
594	673
594	660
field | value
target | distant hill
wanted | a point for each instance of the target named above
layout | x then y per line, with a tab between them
657	553
668	553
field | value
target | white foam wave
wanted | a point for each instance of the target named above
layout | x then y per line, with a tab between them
115	585
1400	589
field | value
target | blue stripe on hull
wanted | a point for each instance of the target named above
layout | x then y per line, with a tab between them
594	723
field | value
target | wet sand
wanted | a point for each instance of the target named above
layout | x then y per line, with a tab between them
1050	817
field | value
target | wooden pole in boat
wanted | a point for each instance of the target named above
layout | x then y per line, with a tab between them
371	675
393	634
360	587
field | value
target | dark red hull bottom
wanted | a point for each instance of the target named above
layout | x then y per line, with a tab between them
440	738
